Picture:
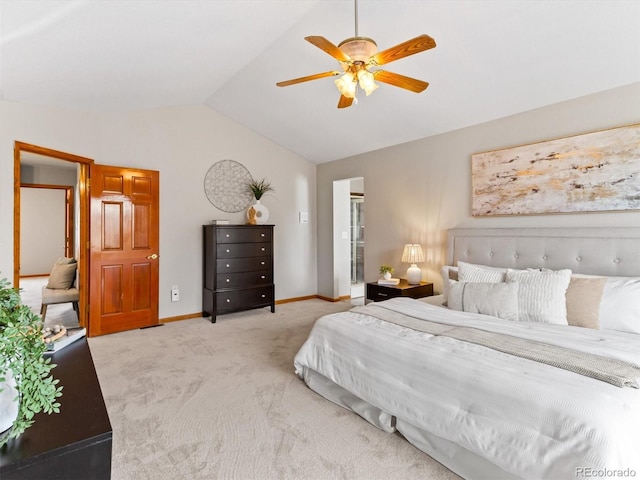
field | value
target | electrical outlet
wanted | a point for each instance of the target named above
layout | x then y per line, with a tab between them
175	293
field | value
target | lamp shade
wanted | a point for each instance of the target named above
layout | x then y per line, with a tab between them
412	253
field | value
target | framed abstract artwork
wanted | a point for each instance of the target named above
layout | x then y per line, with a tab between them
593	172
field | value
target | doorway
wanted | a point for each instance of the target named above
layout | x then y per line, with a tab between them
25	155
118	270
348	238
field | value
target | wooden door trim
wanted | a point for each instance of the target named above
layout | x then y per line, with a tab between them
83	192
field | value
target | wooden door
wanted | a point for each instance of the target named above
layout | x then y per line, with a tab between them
124	249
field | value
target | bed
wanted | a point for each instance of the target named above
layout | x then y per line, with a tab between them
548	393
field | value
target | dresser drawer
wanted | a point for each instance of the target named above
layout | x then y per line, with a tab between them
235	265
243	299
234	280
239	250
243	235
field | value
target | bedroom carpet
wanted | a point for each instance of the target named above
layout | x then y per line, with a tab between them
195	400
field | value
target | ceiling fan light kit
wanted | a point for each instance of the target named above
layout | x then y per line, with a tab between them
357	56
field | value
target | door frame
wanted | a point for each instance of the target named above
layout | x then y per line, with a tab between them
83	192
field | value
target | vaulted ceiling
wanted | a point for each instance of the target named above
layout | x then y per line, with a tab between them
493	58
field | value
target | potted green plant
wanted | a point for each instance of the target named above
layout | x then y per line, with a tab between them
386	271
26	384
257	212
259	187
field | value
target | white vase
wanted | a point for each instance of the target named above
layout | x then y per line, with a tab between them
386	275
8	403
262	213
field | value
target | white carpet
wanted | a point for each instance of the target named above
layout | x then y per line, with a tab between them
195	400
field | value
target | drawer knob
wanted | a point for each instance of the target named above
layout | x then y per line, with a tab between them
261	263
263	249
262	234
228	235
261	276
228	280
228	300
228	250
263	295
382	294
227	265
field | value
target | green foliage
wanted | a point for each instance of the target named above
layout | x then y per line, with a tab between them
385	268
259	187
21	353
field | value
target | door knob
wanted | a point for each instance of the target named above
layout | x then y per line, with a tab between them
153	256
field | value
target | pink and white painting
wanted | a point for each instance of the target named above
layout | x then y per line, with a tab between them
594	172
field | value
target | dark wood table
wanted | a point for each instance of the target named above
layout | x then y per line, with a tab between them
73	444
378	293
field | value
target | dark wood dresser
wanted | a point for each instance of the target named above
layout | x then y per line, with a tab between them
72	444
238	268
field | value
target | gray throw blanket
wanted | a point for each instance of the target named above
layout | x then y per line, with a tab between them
615	372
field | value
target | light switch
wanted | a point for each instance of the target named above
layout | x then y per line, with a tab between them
303	217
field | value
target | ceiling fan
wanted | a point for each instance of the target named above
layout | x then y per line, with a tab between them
359	59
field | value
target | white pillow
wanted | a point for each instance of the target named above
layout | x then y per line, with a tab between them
542	294
620	305
496	299
469	272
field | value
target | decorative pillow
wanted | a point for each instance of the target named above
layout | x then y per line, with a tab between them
65	260
542	294
469	272
583	300
620	305
496	299
62	276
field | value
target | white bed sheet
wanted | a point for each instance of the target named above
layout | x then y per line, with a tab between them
530	420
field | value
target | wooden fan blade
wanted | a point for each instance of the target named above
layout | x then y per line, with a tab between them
344	102
401	81
325	45
404	49
308	78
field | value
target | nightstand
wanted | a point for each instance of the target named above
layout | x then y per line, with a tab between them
377	292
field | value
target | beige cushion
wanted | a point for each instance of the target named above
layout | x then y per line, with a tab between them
583	301
65	260
50	296
496	299
62	276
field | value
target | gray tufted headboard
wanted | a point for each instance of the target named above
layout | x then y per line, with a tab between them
595	251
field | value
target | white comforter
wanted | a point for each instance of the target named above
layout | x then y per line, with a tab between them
529	419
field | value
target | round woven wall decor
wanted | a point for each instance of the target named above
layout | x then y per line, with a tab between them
225	185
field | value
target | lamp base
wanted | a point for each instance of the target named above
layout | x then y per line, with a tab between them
414	275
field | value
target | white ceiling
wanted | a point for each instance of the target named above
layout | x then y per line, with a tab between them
493	58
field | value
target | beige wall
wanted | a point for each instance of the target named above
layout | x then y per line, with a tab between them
182	143
418	190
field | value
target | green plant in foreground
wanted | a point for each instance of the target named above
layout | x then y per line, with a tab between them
259	187
21	354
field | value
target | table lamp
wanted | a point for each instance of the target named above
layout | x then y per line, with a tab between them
413	254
